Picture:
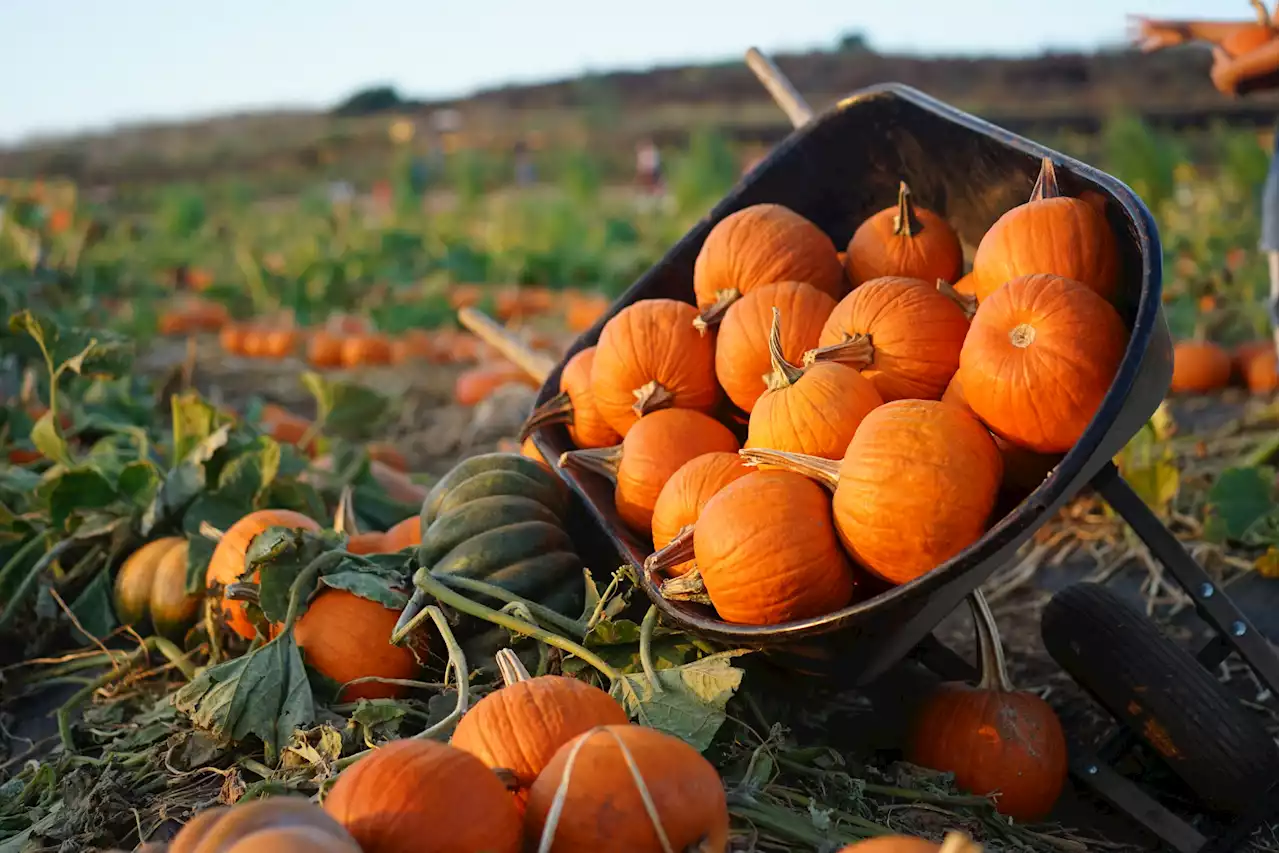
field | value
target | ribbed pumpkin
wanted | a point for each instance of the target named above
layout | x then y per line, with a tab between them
1040	356
345	637
760	245
575	407
652	451
901	333
598	777
915	487
814	410
274	825
992	737
955	842
766	551
421	796
1024	469
681	500
1199	367
1051	233
227	564
520	727
650	357
904	240
151	589
742	342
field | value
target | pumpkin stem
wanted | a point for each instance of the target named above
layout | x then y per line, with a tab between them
686	587
959	842
241	591
994	674
557	410
1264	15
825	471
1046	183
855	350
651	397
598	460
512	670
784	373
344	520
905	222
713	315
208	531
675	552
967	301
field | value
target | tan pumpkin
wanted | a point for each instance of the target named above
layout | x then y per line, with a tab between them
151	589
273	825
904	240
681	500
574	406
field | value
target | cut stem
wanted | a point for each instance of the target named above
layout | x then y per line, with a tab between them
344	520
715	313
825	471
1046	183
686	587
510	667
855	350
785	374
596	460
675	552
959	842
651	397
990	653
905	222
968	302
557	410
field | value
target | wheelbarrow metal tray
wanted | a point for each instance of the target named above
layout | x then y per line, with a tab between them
837	170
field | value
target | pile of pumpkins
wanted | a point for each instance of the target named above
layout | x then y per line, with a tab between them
580	309
1203	367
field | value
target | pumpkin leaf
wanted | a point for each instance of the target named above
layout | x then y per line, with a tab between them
617	641
349	410
1268	565
138	483
1241	507
278	555
92	608
194	420
186	481
376	719
1149	466
46	435
370	584
248	475
691	704
77	490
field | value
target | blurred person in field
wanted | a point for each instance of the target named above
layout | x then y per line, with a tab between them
648	167
525	173
1246	58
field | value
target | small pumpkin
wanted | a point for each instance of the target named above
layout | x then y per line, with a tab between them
277	824
520	727
286	427
766	552
231	339
904	240
151	589
477	384
682	498
1039	358
363	350
345	637
1199	367
759	245
992	737
574	406
584	310
915	487
226	566
420	796
652	451
814	410
597	779
402	535
1051	233
650	357
324	349
900	333
743	360
1259	367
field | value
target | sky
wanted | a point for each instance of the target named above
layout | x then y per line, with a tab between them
80	65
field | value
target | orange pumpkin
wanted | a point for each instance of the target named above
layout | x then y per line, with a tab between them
1051	233
530	450
286	427
277	824
476	385
1257	363
404	534
597	777
324	349
254	343
650	357
574	406
1247	38
955	842
682	498
365	350
582	311
231	339
904	240
420	796
520	727
345	637
742	341
227	564
413	344
387	454
766	551
465	295
916	486
901	333
1199	367
815	410
760	245
279	343
993	738
372	542
1024	469
1040	356
652	451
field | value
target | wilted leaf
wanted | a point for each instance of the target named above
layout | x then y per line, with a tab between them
376	719
1148	466
194	420
1268	565
46	435
693	698
279	555
1241	507
318	748
102	356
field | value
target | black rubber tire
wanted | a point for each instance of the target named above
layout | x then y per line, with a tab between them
1161	693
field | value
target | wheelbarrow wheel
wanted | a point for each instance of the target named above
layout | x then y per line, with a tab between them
1162	694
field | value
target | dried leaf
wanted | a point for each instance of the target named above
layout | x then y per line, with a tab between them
692	703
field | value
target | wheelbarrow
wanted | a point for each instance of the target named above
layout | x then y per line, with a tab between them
838	167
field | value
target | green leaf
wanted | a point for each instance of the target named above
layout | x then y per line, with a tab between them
617	642
249	474
1241	507
1149	466
692	703
182	484
347	410
78	489
138	483
194	420
377	719
46	435
279	554
93	606
219	512
321	390
371	585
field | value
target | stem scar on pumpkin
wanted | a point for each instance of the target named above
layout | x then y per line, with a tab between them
651	397
1022	335
855	350
967	301
905	221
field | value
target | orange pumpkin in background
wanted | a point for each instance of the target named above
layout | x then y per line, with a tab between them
286	427
324	349
404	534
904	240
574	406
685	494
1257	365
362	350
1199	367
477	384
231	339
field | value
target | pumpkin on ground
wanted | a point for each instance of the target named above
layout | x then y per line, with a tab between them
1039	358
421	796
276	824
324	349
476	385
813	410
520	727
362	350
760	245
742	341
344	637
574	406
286	427
682	498
766	552
151	589
992	737
915	487
1051	234
1261	370
597	779
650	357
226	566
900	333
652	451
904	240
1199	367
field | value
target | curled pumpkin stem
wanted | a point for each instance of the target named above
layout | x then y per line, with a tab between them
537	612
855	351
651	397
995	676
967	301
597	460
714	314
905	222
675	552
825	471
1047	182
557	410
784	373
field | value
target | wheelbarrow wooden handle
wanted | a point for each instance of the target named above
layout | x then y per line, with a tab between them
484	327
786	96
